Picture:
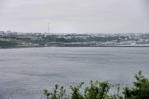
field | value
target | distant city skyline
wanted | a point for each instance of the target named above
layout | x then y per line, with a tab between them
79	16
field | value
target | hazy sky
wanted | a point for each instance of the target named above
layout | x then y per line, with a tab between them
75	15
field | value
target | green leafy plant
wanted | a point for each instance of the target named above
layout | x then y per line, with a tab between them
100	90
140	90
58	93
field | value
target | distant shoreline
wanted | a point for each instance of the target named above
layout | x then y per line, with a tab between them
69	46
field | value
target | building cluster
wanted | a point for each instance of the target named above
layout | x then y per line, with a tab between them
74	39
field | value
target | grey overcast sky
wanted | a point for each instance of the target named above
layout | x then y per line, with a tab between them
79	16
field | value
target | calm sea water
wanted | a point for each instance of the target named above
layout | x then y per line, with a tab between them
25	72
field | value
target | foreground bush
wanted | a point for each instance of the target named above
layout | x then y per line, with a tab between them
100	90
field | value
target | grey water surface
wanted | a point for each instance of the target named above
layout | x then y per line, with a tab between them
25	72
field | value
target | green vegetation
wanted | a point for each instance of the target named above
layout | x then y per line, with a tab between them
100	90
73	38
41	40
8	44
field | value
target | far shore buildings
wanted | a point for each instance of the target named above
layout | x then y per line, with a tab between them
87	38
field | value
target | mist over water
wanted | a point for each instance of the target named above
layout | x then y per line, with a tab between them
25	72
